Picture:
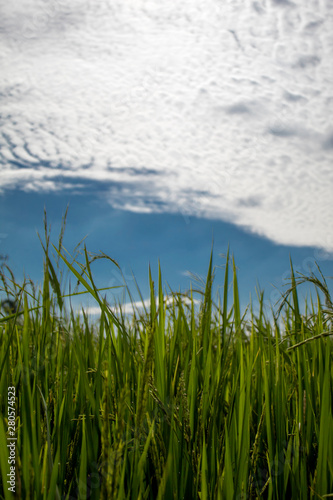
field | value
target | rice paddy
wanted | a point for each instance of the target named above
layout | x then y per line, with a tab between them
176	401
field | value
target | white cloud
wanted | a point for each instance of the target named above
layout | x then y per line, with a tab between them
216	109
138	306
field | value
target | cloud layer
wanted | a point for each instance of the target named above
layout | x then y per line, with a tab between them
207	108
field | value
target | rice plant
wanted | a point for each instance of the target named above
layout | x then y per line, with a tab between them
179	401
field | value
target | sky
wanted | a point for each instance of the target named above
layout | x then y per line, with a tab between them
166	125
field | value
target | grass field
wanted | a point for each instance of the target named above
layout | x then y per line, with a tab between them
180	401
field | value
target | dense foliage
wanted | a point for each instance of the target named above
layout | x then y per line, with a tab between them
179	401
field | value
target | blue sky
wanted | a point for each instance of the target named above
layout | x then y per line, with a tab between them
165	124
134	240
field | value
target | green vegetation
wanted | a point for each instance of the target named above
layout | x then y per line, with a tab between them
178	402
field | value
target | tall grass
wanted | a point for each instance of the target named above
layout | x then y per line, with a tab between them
179	402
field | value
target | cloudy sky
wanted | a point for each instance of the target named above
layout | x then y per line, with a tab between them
172	119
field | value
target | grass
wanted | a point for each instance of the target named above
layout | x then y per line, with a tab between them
177	402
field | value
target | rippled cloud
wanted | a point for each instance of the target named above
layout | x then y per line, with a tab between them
207	108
